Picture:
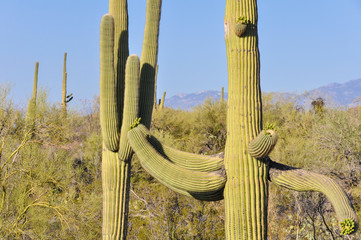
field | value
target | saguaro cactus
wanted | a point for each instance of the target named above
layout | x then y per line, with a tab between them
31	111
64	97
247	165
161	104
120	80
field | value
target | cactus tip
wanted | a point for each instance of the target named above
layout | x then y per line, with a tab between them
348	226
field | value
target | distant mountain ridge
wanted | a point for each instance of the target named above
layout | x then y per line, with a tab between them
334	94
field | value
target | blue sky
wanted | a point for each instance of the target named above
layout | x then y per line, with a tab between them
303	44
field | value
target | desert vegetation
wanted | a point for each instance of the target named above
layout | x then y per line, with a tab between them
79	173
51	182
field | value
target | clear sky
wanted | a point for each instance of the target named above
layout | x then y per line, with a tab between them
303	44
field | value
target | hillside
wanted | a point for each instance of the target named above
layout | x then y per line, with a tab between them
334	94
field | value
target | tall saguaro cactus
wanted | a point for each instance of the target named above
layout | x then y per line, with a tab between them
246	190
120	84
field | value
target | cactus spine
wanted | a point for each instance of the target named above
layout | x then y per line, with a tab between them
119	105
31	111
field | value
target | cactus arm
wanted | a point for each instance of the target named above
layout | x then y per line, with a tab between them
119	10
263	144
131	105
191	161
302	180
165	171
109	111
148	60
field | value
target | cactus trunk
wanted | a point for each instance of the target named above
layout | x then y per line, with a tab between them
63	92
246	191
31	111
161	105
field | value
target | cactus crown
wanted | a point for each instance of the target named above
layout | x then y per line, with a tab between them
348	226
242	20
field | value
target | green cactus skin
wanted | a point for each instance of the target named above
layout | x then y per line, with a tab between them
246	190
148	60
155	87
31	111
161	105
302	180
119	10
263	144
191	161
169	173
116	184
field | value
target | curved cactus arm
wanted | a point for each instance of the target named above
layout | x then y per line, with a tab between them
197	162
302	180
195	182
109	112
148	60
263	144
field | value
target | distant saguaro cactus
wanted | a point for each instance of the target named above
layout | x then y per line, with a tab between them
31	111
122	78
161	105
64	97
